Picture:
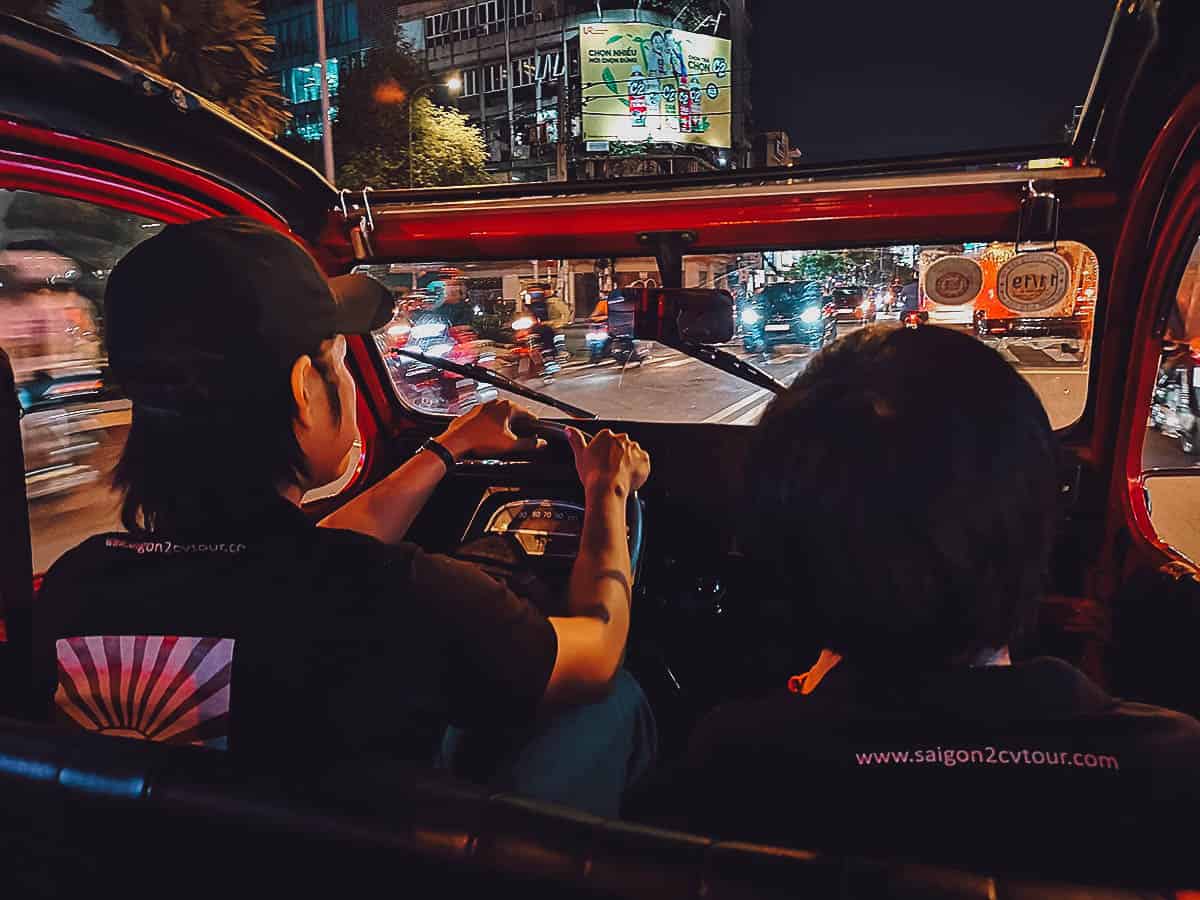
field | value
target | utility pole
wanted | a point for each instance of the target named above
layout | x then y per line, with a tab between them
326	128
512	129
565	133
483	123
537	90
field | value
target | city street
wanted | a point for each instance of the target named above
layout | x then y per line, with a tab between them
672	387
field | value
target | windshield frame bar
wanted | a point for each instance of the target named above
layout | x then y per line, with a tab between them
996	163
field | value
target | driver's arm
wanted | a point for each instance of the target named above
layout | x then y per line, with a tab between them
387	509
591	639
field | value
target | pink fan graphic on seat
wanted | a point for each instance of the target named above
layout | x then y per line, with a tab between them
152	688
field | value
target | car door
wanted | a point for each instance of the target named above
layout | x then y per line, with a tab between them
77	191
1151	552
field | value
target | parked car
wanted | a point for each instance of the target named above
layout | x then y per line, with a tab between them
1175	409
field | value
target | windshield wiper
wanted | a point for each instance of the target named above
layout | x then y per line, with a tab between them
495	379
727	362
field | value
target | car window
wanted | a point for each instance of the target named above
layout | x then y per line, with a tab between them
1171	450
55	257
542	323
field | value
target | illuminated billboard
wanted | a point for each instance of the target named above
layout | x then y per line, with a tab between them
649	83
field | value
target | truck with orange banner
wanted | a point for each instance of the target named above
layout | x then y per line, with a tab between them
997	292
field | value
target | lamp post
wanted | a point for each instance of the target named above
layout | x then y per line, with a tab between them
453	84
326	135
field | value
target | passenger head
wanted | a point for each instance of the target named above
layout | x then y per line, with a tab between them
906	488
228	340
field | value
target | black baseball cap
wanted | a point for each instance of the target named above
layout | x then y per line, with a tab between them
215	311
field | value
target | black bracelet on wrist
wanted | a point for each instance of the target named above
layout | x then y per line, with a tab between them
439	451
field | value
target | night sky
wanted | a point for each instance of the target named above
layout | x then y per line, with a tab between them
859	80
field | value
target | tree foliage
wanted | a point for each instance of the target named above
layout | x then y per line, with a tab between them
370	135
446	150
217	48
817	265
862	266
43	12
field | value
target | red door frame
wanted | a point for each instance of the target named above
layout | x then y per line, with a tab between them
45	148
171	194
1128	512
1155	239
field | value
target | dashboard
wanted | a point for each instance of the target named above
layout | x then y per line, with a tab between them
542	531
542	527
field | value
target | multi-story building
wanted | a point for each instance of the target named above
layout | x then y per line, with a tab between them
293	23
519	63
519	69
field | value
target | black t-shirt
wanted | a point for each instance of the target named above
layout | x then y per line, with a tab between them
1030	766
276	635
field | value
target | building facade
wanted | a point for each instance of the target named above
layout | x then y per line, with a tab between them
294	62
518	64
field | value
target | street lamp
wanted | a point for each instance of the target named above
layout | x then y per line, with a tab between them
452	84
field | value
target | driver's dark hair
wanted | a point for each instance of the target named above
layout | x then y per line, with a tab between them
905	491
183	471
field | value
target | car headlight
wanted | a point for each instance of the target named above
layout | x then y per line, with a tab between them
522	323
810	315
751	316
428	330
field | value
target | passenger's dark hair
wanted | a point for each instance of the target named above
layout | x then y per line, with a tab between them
182	471
905	492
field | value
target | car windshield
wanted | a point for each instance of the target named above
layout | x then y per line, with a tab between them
544	323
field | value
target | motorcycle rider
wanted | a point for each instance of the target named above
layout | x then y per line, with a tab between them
537	301
910	297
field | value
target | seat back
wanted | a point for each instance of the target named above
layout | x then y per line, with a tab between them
79	810
16	560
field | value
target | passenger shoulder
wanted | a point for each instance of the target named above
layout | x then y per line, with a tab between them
88	554
1162	720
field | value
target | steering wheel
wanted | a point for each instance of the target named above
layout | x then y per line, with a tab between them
503	557
554	431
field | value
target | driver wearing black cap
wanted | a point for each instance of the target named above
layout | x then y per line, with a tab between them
223	618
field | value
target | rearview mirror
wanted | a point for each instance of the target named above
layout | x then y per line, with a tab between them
672	315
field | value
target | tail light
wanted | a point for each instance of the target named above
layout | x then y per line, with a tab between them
398	334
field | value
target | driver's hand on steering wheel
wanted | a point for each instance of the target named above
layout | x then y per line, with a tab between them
486	431
609	460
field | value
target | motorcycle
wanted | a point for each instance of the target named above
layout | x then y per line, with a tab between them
430	332
623	349
540	349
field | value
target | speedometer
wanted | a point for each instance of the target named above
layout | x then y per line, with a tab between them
542	527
